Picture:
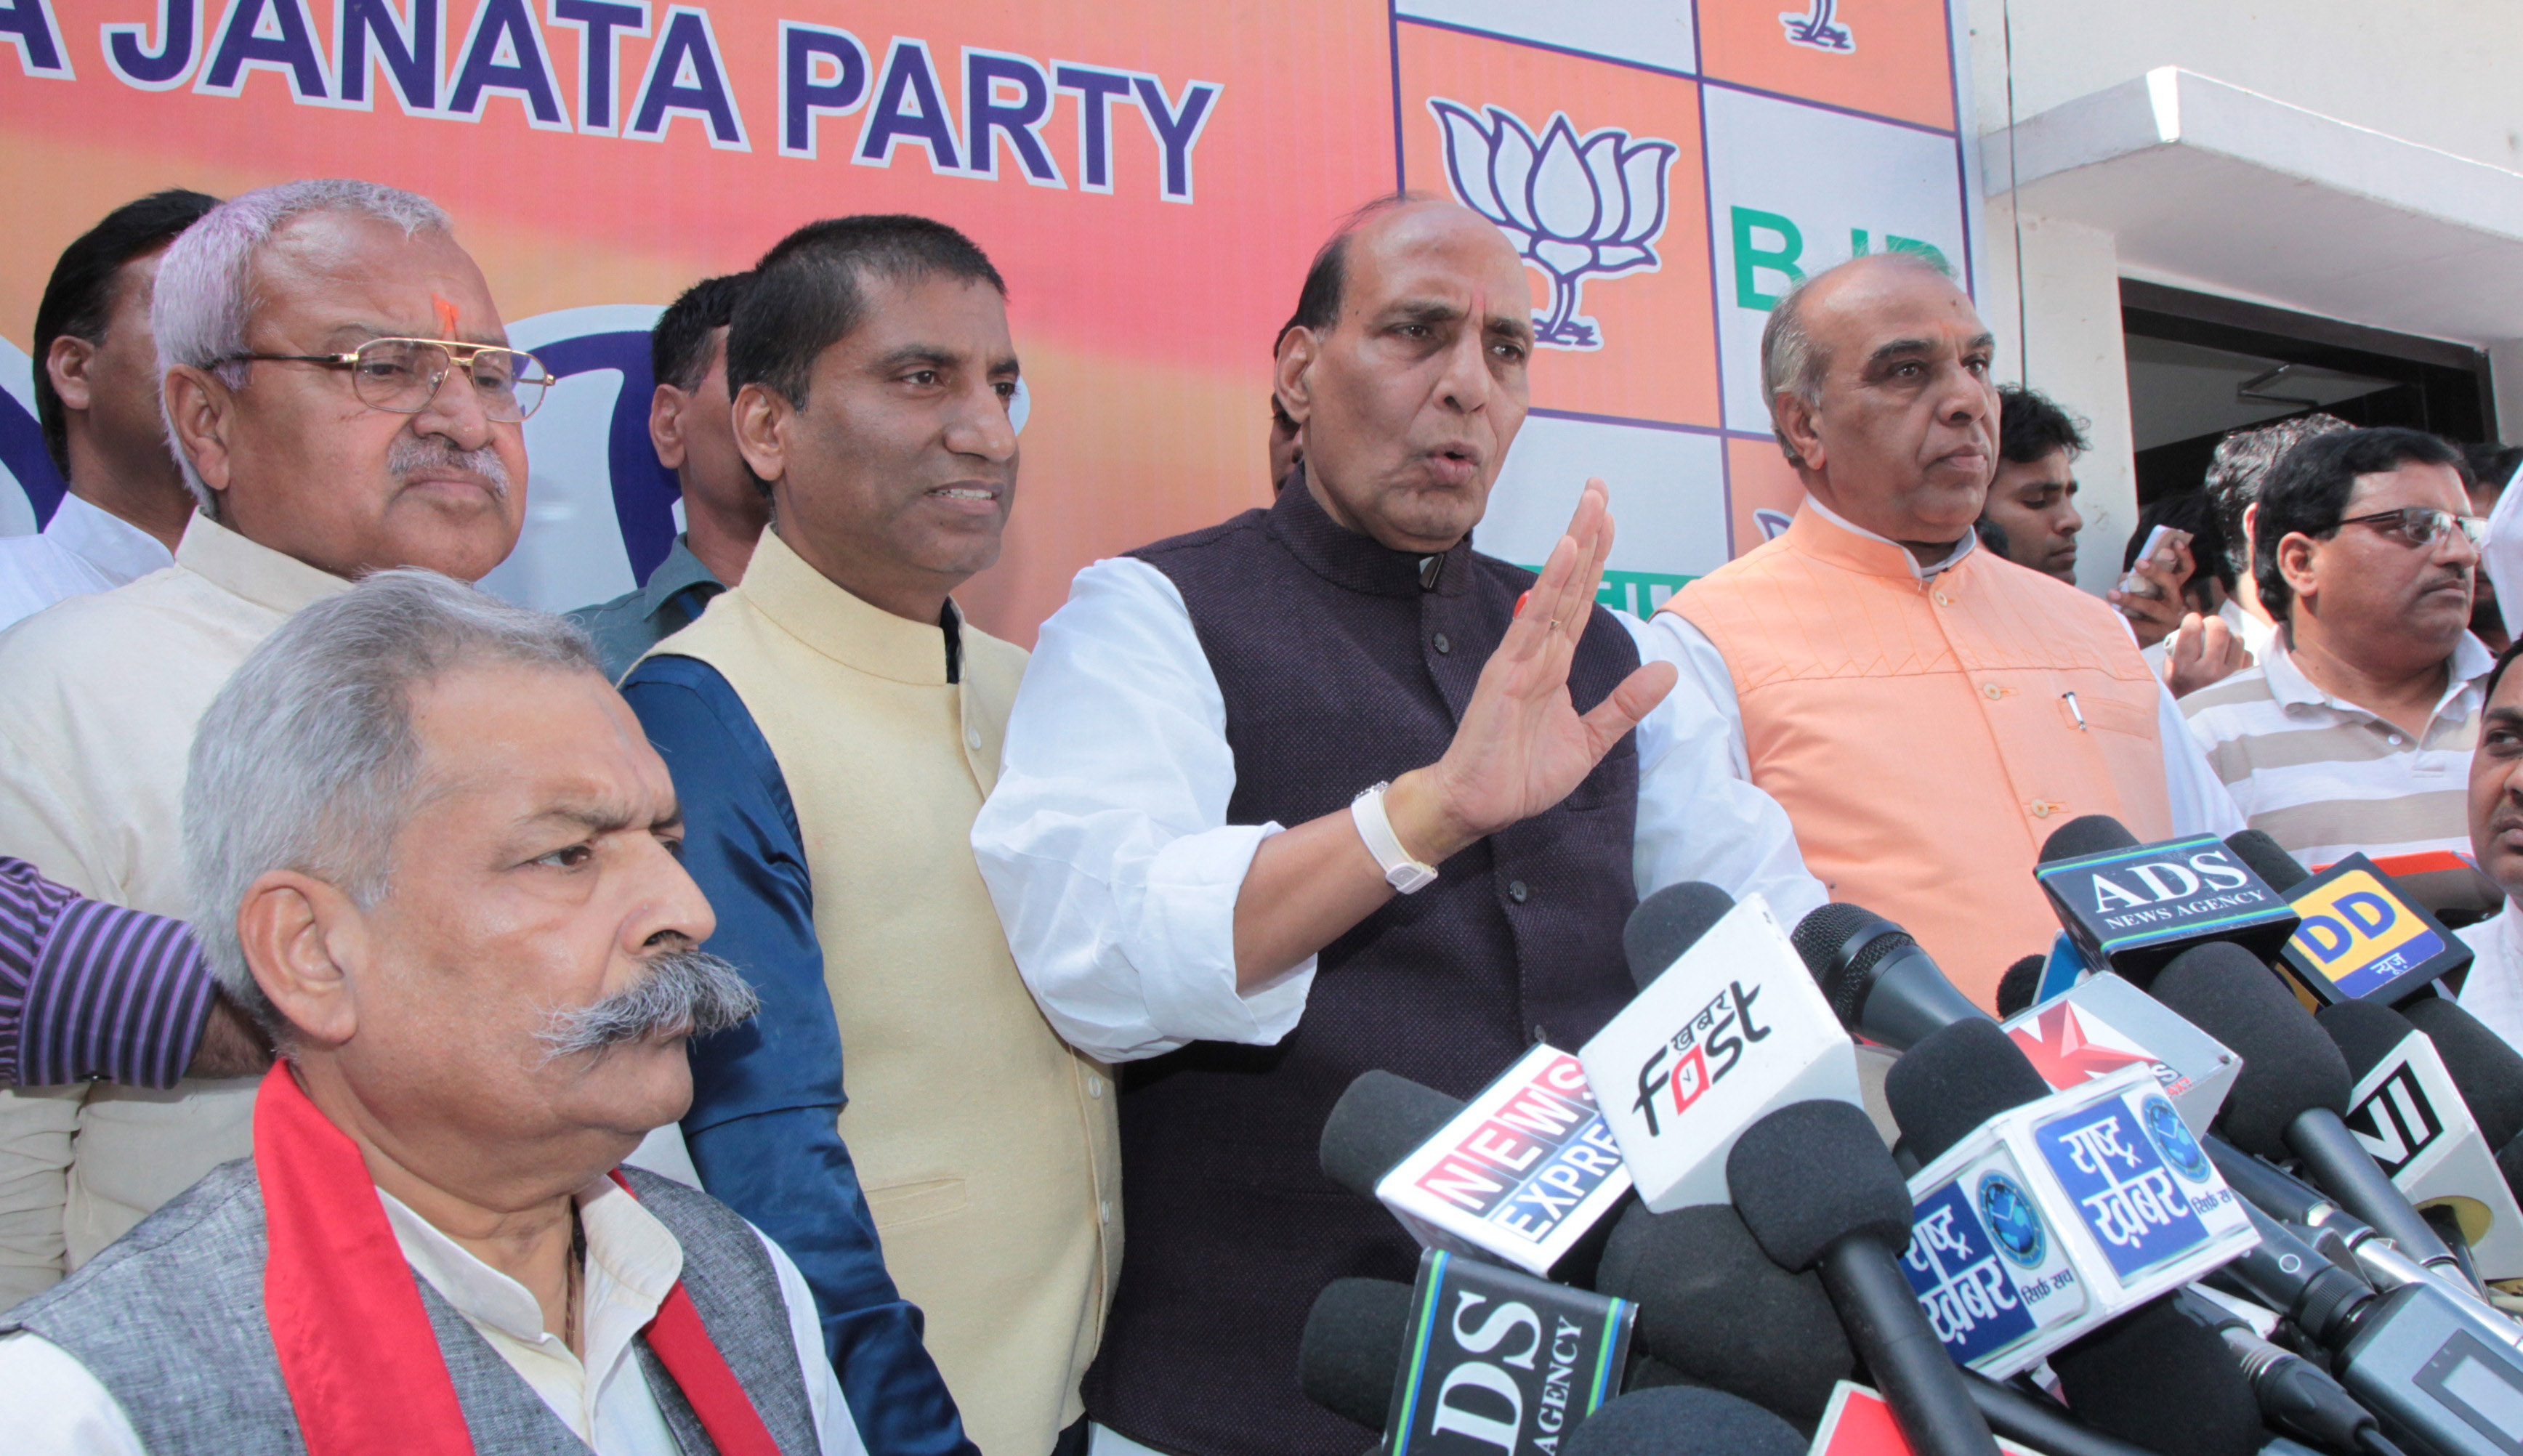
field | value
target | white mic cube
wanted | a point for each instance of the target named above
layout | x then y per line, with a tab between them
2408	1116
1732	1029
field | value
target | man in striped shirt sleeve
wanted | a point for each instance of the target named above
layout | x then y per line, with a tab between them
2354	733
96	992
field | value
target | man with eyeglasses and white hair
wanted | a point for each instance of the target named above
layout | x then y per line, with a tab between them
435	857
338	393
2353	734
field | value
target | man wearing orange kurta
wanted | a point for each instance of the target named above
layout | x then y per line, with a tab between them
1927	712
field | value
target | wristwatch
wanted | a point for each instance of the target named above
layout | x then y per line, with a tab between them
1403	872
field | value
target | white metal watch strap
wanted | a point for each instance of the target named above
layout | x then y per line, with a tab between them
1403	872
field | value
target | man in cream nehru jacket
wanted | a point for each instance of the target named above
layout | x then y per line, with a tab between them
337	390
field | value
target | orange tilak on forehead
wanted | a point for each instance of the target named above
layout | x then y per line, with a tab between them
448	315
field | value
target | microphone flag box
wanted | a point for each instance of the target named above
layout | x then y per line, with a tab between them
2061	1214
1519	1175
2104	1023
1498	1363
2133	910
1858	1422
2407	1113
2062	968
2361	940
1733	1028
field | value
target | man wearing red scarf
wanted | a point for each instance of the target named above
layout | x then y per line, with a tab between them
435	857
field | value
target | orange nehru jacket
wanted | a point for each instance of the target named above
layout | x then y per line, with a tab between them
1926	736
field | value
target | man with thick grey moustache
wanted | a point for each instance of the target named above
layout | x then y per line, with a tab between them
436	860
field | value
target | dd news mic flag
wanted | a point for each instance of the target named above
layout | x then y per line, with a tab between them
2361	939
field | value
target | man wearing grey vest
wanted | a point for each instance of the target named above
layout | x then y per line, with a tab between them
1477	779
436	859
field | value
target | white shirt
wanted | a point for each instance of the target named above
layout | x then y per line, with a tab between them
83	549
2493	992
1108	854
49	1403
2199	800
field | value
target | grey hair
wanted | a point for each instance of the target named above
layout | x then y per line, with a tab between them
1792	363
205	296
307	760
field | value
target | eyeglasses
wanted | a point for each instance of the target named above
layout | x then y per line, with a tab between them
2421	525
401	376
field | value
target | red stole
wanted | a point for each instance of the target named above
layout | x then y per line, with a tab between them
362	1365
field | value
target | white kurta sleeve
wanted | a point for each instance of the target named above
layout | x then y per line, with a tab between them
1701	816
836	1431
1106	845
50	1403
2502	558
2201	803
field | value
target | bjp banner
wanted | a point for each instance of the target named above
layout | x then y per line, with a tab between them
1151	178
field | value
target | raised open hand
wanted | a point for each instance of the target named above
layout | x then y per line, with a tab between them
1522	746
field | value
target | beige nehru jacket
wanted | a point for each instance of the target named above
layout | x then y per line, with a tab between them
988	1148
96	724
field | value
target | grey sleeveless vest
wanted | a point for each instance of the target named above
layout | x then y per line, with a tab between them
170	1319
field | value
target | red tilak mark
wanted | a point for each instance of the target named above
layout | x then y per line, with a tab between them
448	314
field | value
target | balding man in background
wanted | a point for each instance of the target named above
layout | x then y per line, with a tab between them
337	387
1236	752
1926	711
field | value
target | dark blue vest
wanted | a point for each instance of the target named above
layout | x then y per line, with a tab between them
1343	663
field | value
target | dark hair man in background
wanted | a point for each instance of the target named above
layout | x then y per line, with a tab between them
2236	472
2492	470
724	507
96	395
1345	665
2356	730
2034	499
833	724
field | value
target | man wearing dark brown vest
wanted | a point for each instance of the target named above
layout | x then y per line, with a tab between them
1305	794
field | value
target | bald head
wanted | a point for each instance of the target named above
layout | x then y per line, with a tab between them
1877	377
1405	370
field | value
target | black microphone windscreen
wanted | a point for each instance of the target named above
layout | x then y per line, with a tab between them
1826	932
2155	1379
2510	1162
2086	834
1668	923
2266	858
1683	1420
1717	1310
2364	1032
2489	1072
1380	1118
2021	983
1351	1347
1811	1174
2288	1065
1945	1087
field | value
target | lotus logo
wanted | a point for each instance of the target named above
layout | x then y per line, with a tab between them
1573	208
1814	29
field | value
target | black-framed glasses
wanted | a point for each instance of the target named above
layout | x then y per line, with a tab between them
2421	525
401	376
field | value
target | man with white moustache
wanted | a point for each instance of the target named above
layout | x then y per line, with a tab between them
437	860
338	391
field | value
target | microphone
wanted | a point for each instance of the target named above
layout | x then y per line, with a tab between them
2269	860
2102	1024
2291	1089
2020	986
1732	1027
2488	1071
1471	1353
1525	1172
2410	1118
1668	923
2295	1396
1680	1421
1817	1189
2133	907
2156	1380
1876	979
2042	1215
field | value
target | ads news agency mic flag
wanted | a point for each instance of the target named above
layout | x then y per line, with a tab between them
2133	909
2055	1217
1519	1175
1498	1363
2362	940
1734	1029
2102	1024
2407	1113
